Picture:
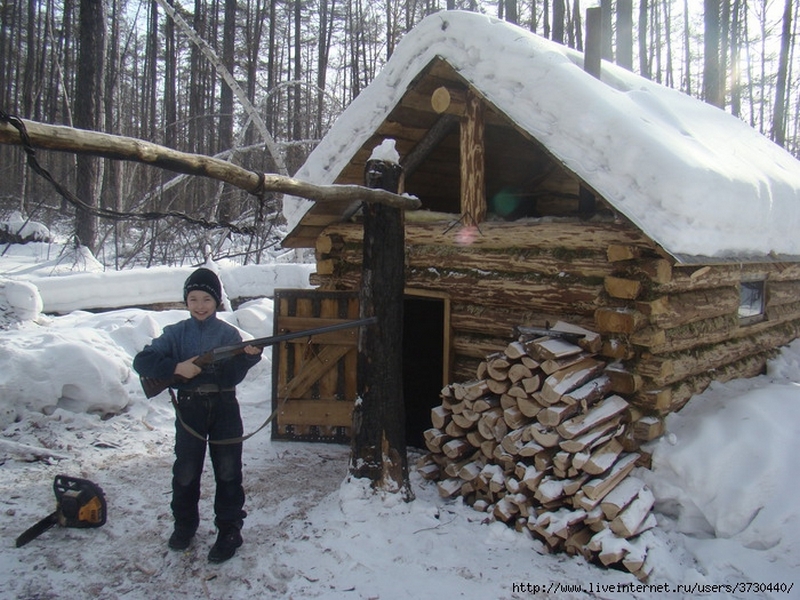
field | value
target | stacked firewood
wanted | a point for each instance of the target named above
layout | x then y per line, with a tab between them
537	440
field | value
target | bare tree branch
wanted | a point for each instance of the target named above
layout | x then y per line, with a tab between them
81	141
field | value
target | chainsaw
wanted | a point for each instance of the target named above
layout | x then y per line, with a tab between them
79	503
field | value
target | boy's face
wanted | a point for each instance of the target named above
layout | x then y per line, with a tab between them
200	304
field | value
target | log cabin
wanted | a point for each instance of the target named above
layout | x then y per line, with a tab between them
549	194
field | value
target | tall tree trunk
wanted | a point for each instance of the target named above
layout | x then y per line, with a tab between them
779	112
607	33
711	67
226	98
112	186
323	53
644	65
559	11
669	78
512	13
687	48
624	52
294	157
149	125
170	83
735	54
254	31
272	76
29	72
88	112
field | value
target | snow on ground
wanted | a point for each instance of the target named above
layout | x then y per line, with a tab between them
724	477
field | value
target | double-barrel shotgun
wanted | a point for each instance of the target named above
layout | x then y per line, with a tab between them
154	386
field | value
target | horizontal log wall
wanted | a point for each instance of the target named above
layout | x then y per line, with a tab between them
671	329
680	329
498	276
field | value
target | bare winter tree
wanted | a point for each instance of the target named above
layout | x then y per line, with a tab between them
711	68
88	111
778	114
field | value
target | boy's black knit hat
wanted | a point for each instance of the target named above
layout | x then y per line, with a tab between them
204	280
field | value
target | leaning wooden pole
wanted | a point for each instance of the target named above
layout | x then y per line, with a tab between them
81	141
379	423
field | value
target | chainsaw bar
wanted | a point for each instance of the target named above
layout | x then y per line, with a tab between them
33	532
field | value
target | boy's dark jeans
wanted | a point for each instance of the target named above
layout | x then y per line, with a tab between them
215	415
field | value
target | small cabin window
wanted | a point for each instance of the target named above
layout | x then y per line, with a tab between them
751	302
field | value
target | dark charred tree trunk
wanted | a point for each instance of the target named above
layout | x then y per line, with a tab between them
379	439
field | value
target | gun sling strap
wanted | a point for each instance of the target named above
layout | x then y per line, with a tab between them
236	440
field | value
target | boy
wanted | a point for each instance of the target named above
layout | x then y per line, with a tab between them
207	404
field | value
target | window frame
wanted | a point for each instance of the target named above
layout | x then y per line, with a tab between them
752	314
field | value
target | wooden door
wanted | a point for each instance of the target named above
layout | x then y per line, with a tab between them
314	379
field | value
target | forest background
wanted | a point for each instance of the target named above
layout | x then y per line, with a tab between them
259	82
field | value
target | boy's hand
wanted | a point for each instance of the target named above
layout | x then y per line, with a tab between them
187	369
254	350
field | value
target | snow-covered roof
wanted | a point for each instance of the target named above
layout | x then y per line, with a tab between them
698	181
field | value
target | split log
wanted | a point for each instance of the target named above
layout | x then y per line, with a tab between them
457	448
454	430
590	340
518	372
485	403
440	417
575	545
528	406
549	490
471	390
545	436
512	442
488	421
466	419
551	366
471	470
498	386
593	437
515	350
603	458
621	496
601	412
435	439
449	487
596	489
628	523
530	448
589	393
514	418
547	348
532	383
569	379
648	428
552	416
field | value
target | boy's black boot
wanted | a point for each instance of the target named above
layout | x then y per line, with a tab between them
229	538
182	536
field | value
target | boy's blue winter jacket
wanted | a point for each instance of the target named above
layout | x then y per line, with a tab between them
189	338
